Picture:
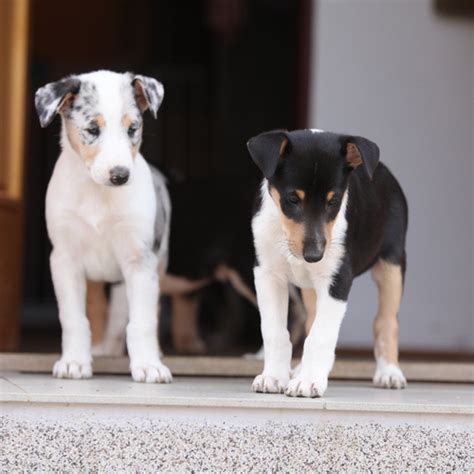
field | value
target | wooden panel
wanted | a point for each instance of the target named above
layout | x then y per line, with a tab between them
4	62
10	273
13	72
462	372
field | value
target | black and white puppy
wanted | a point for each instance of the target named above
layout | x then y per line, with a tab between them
328	212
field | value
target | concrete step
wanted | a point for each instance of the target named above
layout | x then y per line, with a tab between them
110	424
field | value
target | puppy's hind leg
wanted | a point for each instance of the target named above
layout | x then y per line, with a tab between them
113	343
309	300
389	279
70	288
96	310
308	296
185	325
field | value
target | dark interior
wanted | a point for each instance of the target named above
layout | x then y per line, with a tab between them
215	59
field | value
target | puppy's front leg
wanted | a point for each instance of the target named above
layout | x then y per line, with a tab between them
272	296
319	348
140	271
70	288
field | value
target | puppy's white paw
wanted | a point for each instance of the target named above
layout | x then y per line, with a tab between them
268	384
70	369
153	373
309	387
389	376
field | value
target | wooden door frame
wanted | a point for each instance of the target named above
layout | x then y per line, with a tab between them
14	24
14	38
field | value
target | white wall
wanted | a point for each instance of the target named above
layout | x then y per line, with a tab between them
394	71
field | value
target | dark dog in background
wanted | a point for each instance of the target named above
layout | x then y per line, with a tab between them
211	241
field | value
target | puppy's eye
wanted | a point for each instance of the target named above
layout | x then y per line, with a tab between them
333	201
292	198
132	129
93	130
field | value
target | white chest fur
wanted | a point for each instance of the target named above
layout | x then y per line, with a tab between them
97	221
88	220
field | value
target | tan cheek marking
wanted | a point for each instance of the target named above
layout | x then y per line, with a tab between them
87	152
134	151
329	196
90	153
328	228
388	277
126	122
100	121
283	145
353	156
294	231
300	193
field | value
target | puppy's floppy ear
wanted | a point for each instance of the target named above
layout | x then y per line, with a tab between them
360	151
53	97
266	150
149	93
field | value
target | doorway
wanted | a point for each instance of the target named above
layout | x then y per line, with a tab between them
216	60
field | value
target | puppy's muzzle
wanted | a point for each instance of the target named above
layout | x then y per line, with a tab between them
119	175
313	250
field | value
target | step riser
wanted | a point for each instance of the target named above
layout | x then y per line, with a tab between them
98	437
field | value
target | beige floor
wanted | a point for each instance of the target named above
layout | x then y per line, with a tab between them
345	368
235	393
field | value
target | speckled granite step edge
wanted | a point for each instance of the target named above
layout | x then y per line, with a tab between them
39	444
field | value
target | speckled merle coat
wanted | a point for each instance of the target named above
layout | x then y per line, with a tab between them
107	214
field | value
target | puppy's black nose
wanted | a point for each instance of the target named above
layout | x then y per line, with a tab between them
313	252
119	175
312	257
